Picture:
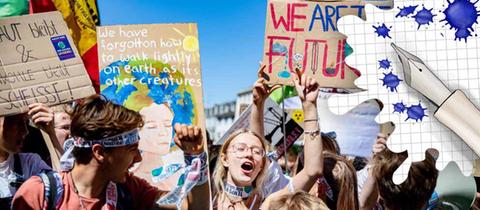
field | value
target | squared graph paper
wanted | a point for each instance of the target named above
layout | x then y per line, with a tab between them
455	62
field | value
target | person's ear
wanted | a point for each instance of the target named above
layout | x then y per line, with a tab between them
223	158
98	153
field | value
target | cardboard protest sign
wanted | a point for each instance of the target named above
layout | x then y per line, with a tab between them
273	125
155	70
304	35
39	63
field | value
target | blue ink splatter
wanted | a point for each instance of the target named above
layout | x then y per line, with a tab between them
279	48
406	11
461	15
284	74
424	17
384	64
391	81
399	107
416	112
382	30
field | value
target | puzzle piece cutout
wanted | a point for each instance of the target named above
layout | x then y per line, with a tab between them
356	130
304	35
454	62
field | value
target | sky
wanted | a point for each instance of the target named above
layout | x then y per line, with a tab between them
231	35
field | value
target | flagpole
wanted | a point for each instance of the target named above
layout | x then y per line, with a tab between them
284	116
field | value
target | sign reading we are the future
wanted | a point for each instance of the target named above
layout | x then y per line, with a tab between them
304	35
39	63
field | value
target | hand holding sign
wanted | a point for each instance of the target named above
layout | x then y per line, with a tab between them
260	89
42	116
189	138
307	88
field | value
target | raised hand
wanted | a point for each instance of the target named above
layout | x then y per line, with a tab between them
261	90
380	144
307	88
189	138
42	116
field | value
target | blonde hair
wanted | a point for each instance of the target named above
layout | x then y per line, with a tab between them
297	201
220	173
342	178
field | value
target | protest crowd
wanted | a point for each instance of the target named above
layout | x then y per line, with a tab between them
96	146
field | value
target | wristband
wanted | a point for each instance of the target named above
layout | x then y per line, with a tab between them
203	168
311	120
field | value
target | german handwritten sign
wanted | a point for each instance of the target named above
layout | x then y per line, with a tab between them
39	63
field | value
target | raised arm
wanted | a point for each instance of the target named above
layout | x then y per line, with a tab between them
260	93
190	139
307	89
369	194
43	118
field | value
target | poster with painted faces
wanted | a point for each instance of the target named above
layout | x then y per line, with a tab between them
155	70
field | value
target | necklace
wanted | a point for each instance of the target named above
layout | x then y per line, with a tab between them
249	201
110	194
232	204
82	205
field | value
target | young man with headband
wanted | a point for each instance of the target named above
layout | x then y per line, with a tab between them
105	145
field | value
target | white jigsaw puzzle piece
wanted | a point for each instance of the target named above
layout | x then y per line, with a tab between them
455	62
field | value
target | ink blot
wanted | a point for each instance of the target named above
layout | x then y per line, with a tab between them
399	107
391	81
406	11
416	112
461	15
382	30
424	17
385	64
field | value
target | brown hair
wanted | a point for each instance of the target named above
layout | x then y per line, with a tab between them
96	118
297	201
342	178
415	191
220	173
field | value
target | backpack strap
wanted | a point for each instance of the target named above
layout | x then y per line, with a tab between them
53	189
124	201
17	164
18	172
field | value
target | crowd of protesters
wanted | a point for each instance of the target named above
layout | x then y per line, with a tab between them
98	141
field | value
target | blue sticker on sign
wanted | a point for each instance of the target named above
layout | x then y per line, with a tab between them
63	48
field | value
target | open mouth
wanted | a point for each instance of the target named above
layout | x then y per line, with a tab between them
247	167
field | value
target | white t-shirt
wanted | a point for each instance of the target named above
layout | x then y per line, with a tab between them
275	179
362	177
31	163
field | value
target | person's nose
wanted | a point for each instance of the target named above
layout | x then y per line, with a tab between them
248	153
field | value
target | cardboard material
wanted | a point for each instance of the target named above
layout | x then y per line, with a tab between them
304	35
39	63
155	70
